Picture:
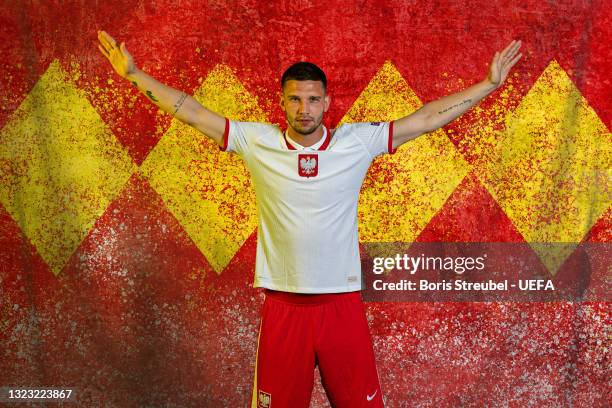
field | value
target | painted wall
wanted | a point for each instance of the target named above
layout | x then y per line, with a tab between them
127	239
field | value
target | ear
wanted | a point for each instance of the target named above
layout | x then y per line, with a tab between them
327	102
282	102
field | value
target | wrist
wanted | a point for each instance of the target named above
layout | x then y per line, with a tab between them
488	85
131	76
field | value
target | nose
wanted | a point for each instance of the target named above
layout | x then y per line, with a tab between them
303	107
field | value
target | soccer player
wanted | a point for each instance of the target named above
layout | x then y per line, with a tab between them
307	181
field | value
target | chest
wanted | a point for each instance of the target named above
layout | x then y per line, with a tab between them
324	176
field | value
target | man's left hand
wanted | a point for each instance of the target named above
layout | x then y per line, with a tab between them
503	62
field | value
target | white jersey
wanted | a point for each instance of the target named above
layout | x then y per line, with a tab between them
307	198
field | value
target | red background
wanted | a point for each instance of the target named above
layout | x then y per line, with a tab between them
184	342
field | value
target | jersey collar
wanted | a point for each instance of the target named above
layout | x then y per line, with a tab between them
322	144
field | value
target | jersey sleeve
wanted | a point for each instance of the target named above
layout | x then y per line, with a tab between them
377	137
239	136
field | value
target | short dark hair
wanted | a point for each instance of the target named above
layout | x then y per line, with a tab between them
304	71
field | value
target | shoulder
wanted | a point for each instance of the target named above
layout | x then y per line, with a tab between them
359	127
242	136
373	136
253	130
359	130
259	127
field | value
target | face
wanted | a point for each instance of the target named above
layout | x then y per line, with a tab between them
304	103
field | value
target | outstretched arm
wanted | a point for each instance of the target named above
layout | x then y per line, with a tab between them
438	113
177	103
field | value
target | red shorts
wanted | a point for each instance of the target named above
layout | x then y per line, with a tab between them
300	331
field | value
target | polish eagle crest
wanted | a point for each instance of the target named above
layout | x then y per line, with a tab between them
308	165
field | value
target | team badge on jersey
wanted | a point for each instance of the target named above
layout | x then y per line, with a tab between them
264	400
308	165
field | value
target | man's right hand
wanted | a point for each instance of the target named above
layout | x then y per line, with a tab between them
118	55
173	101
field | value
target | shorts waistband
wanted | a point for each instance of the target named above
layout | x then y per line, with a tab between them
309	298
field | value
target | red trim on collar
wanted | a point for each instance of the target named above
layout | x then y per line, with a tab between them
289	145
327	140
225	135
390	146
322	147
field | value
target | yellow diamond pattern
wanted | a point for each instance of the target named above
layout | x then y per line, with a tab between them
551	171
208	191
60	166
402	192
486	122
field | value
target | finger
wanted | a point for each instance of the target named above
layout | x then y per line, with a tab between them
109	38
104	47
515	60
511	53
508	47
110	51
104	51
110	41
510	62
514	49
106	44
103	36
508	67
495	58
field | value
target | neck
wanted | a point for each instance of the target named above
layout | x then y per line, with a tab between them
306	140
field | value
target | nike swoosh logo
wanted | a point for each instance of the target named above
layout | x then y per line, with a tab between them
370	398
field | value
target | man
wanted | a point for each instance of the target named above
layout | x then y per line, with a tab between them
307	183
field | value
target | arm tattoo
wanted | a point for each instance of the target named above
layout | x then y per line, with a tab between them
150	95
455	106
178	104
